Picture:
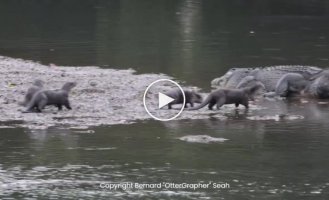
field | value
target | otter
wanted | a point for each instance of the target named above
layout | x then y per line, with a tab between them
51	97
290	84
191	97
230	96
37	86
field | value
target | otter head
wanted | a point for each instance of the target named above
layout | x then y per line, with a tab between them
197	98
248	81
39	83
68	86
298	87
254	90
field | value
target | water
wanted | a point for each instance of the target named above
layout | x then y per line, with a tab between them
194	41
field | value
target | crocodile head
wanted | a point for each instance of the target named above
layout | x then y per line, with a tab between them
231	78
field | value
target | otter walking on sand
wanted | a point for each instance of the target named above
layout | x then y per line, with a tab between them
57	98
37	86
191	97
230	96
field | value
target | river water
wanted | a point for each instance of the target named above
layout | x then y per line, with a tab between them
277	152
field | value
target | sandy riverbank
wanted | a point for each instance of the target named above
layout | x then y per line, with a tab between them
102	96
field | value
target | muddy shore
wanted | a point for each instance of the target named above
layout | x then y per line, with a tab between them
102	96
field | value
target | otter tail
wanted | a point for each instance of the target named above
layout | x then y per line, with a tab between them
22	103
203	104
31	104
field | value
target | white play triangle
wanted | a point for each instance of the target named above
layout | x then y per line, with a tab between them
164	100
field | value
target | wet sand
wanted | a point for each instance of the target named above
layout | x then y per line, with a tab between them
101	97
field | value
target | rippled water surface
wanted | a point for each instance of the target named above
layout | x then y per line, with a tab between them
277	151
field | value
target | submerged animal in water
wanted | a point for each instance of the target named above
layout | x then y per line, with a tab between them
37	86
230	96
57	98
191	97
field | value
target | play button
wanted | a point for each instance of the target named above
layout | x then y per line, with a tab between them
164	100
156	98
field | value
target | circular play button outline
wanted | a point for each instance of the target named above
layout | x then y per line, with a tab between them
180	88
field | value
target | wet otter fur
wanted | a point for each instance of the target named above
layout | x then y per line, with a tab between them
230	96
57	98
191	97
291	84
37	86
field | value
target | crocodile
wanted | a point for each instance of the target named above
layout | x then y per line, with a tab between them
269	76
231	78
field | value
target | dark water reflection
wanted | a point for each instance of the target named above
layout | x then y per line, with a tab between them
272	159
193	41
186	39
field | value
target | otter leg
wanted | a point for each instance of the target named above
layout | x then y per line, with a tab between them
220	103
192	104
67	105
169	106
236	105
59	106
211	104
32	109
37	109
41	105
245	104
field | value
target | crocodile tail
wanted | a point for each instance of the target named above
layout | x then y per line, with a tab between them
203	104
